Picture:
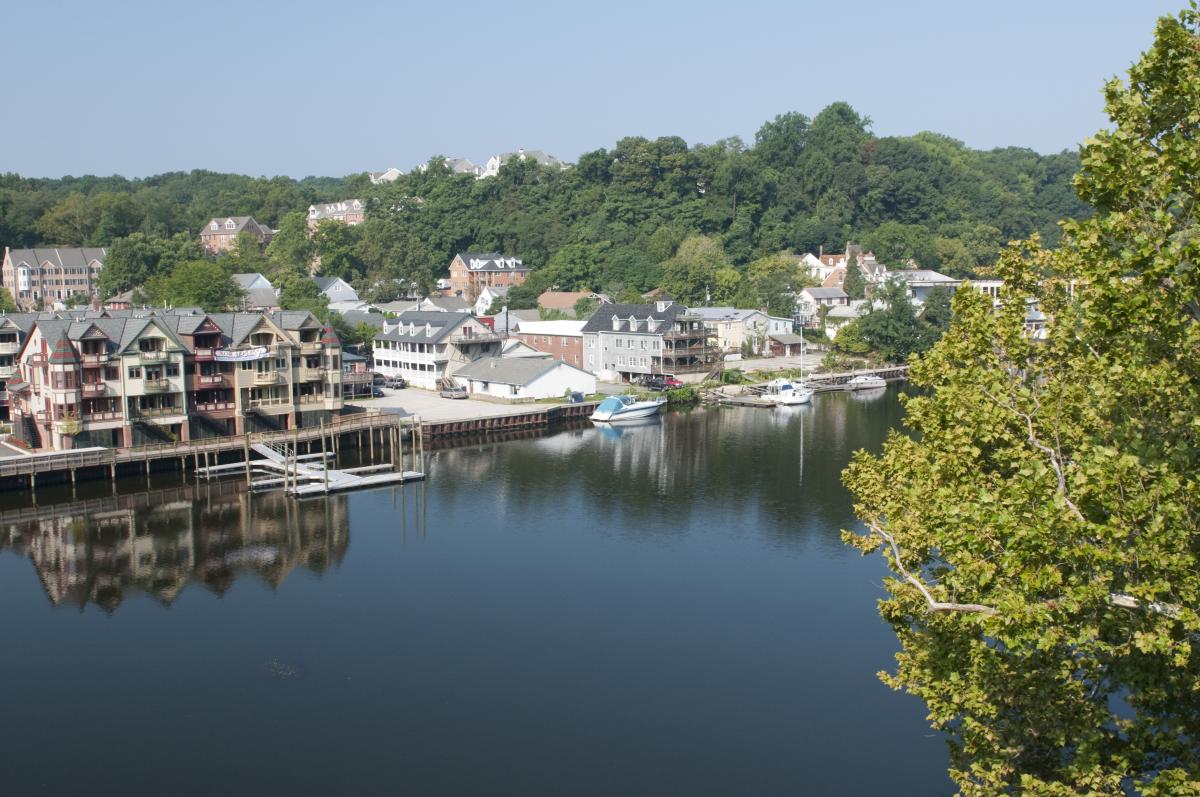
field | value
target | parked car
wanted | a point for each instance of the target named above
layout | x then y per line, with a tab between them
456	392
376	393
672	382
378	379
654	383
395	382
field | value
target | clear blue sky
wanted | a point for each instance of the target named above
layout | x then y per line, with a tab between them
141	87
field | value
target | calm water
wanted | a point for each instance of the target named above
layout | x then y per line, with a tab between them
665	609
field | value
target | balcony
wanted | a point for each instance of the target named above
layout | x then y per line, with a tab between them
480	337
156	385
8	371
310	348
266	377
153	355
91	389
315	398
3	397
203	354
94	359
9	348
209	380
311	374
100	417
156	412
272	401
41	416
215	406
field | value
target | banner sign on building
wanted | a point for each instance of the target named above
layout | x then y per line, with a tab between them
240	355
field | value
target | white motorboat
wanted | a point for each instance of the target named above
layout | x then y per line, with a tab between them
624	408
786	393
866	382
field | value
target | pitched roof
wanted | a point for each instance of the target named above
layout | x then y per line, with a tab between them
333	210
509	370
261	297
356	317
924	275
63	352
452	304
246	280
60	256
724	313
562	300
826	293
491	261
241	224
785	338
439	325
601	320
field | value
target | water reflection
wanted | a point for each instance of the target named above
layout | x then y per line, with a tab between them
103	550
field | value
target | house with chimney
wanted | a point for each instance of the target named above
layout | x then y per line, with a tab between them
470	272
633	341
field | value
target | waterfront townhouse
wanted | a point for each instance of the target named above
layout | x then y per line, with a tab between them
43	276
630	341
426	347
139	377
14	328
221	234
348	211
470	272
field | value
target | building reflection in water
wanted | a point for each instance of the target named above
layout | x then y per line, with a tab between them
156	543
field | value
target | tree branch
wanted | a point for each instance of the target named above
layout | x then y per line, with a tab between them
934	605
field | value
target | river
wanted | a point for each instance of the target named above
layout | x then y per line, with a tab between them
658	609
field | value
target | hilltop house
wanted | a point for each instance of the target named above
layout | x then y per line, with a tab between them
470	272
492	168
347	211
51	274
336	289
487	296
221	234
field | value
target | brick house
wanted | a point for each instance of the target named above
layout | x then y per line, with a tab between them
562	340
470	272
220	234
348	211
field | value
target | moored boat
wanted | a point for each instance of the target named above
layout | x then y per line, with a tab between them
866	382
622	408
786	393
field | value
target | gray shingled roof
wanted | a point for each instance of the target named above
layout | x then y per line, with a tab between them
241	224
491	261
62	256
246	280
261	297
508	370
441	326
826	293
601	320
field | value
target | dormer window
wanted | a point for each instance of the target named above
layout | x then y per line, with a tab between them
633	326
230	224
214	226
616	323
412	328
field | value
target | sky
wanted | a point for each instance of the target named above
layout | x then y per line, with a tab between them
302	88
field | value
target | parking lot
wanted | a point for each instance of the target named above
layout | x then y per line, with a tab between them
429	406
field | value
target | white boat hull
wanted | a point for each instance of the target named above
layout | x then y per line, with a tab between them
630	412
866	383
793	399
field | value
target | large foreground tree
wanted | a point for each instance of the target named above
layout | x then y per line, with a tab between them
1041	526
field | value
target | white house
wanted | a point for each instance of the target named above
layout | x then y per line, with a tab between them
336	289
424	347
810	301
840	315
487	296
492	168
523	378
920	281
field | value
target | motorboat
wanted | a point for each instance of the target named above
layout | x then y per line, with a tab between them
786	393
866	382
624	408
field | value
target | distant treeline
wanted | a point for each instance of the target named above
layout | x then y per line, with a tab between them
616	220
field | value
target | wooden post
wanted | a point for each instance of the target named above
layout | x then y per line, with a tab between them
371	438
246	453
324	459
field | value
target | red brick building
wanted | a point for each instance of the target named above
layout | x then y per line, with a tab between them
562	340
469	273
220	235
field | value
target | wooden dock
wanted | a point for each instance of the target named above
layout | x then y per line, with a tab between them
752	395
537	417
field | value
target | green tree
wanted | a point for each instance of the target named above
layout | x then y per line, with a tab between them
7	305
855	285
301	293
585	307
291	248
690	276
892	328
197	283
246	256
136	259
1040	525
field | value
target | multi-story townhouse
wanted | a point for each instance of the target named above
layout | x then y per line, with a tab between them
13	330
425	347
47	275
470	272
630	341
153	376
348	211
220	234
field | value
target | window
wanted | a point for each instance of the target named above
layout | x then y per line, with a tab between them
246	365
281	363
172	369
135	372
